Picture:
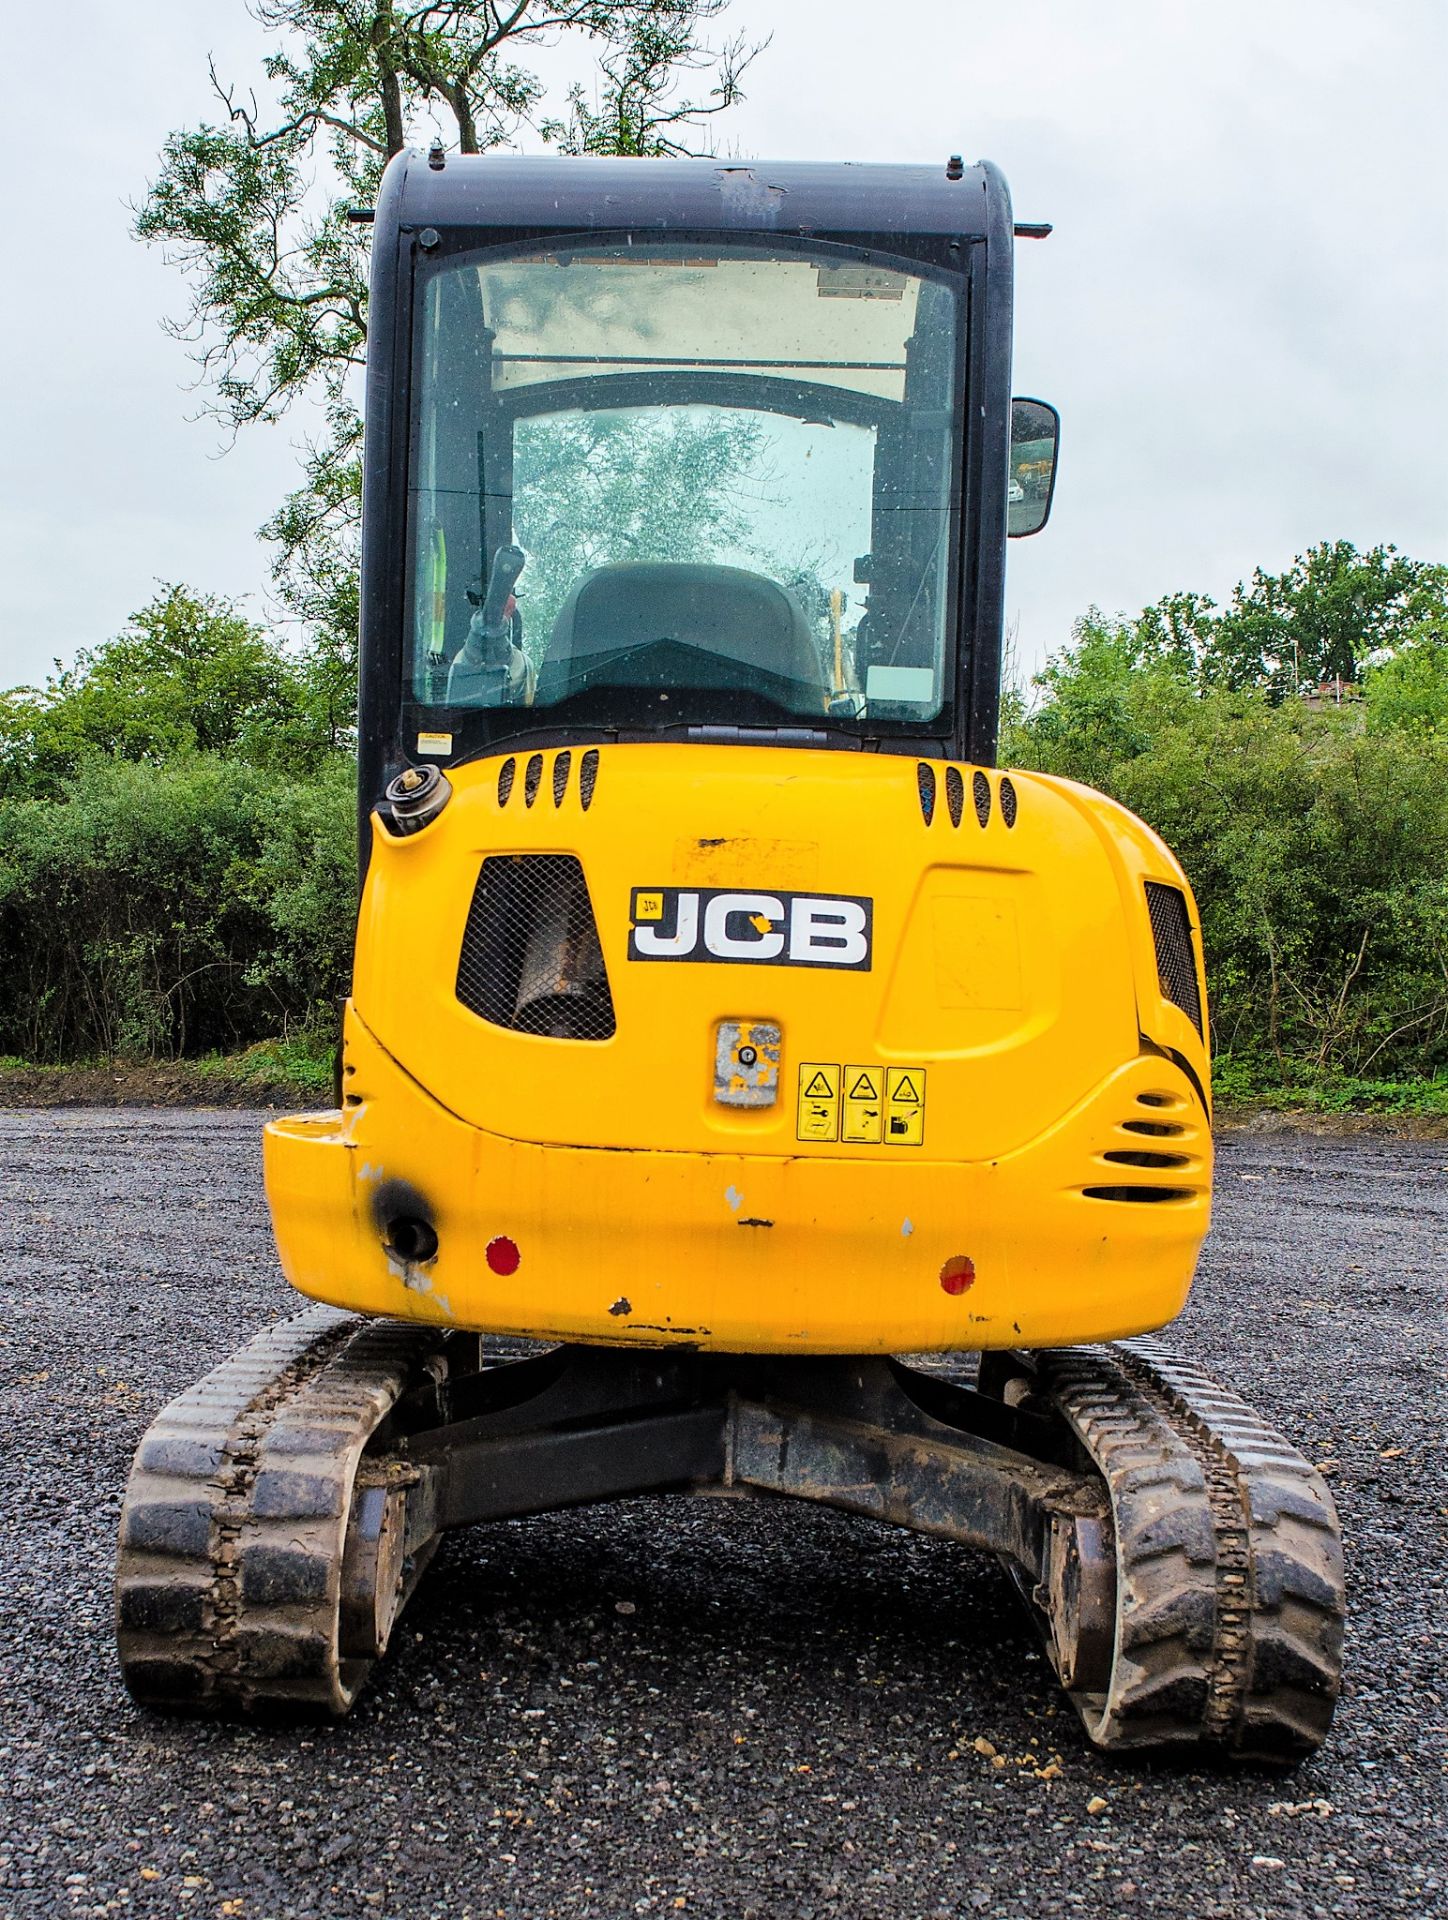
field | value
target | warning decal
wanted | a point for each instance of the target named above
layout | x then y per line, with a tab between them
819	1101
863	1106
905	1106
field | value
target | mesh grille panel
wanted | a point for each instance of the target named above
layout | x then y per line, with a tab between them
530	959
1175	961
925	781
980	790
954	794
1008	800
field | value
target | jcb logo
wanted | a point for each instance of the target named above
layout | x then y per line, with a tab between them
763	929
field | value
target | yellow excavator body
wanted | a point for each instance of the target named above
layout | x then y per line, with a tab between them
969	1112
746	1086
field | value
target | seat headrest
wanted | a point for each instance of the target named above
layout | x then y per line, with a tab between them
730	612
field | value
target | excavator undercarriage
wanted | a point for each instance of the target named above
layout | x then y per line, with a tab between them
1180	1559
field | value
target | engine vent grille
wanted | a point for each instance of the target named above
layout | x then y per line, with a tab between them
925	784
560	776
980	792
954	794
530	958
1139	1196
1136	1158
1008	800
1175	962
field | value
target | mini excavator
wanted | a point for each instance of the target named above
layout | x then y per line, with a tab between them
745	1084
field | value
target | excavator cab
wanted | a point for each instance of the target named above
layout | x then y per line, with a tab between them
698	488
724	1022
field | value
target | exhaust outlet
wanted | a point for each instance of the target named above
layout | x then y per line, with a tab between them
412	1240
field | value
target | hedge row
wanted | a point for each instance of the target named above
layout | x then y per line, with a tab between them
158	911
1316	841
201	905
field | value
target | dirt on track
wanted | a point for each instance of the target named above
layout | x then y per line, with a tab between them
719	1708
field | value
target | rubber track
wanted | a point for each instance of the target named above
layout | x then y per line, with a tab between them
229	1564
1229	1560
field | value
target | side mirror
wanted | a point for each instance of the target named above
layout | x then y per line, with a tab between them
1035	435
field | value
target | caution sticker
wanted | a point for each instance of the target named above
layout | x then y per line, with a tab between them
819	1101
864	1106
905	1106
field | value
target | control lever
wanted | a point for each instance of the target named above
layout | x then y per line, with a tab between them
489	670
490	631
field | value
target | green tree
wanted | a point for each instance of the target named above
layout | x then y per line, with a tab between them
1326	617
1323	618
189	674
1408	690
255	207
1178	627
1101	702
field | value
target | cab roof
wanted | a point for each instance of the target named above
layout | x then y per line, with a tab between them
551	193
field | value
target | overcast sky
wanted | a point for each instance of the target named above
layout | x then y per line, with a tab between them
1241	313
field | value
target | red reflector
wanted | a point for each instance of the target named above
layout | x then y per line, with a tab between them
958	1273
503	1255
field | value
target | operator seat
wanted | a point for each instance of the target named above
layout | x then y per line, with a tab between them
647	623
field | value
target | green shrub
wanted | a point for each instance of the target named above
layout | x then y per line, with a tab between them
154	911
1316	842
177	866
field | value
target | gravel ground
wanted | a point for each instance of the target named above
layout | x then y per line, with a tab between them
718	1708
